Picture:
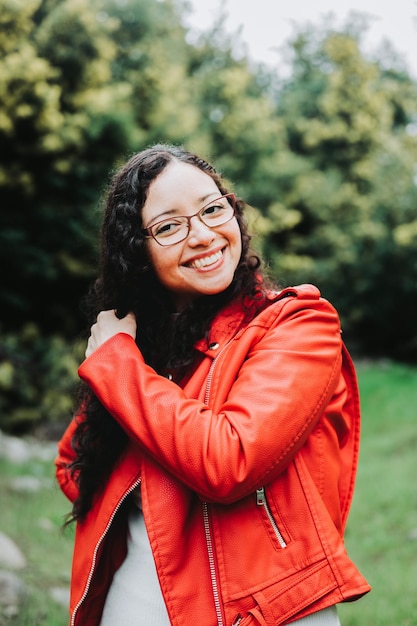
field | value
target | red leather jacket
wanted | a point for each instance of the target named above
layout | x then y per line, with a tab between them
246	470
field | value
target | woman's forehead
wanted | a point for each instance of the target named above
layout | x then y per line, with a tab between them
178	186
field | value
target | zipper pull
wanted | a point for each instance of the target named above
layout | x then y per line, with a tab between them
237	620
260	496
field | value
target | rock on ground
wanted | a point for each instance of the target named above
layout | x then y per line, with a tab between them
11	557
12	592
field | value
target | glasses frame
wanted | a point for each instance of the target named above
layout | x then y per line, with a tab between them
148	232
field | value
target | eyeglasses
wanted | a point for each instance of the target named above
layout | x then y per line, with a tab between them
175	229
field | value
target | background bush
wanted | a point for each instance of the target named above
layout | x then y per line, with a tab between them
325	156
38	380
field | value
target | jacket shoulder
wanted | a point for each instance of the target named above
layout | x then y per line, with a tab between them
293	299
304	291
234	320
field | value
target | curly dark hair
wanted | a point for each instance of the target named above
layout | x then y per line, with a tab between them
127	282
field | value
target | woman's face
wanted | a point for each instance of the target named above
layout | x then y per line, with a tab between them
205	262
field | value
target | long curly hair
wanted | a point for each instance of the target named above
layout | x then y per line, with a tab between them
127	282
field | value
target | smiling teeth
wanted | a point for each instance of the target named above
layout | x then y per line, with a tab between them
207	260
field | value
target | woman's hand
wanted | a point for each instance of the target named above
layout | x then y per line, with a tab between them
108	325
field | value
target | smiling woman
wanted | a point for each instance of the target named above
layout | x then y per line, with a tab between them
216	412
205	260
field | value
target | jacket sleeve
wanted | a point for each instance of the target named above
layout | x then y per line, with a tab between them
286	380
65	456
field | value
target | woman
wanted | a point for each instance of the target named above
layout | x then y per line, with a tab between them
212	462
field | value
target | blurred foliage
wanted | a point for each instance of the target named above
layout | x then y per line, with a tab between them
346	210
58	113
326	157
38	381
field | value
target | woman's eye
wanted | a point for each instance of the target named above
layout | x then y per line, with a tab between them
213	209
167	228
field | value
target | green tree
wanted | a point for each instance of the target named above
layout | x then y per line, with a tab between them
61	125
345	212
152	55
327	157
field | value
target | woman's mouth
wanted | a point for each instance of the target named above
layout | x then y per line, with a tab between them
206	261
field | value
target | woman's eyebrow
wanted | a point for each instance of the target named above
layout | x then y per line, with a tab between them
169	212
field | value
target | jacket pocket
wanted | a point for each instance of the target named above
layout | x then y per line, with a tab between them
262	501
285	599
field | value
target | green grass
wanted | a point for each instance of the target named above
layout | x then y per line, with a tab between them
34	522
382	529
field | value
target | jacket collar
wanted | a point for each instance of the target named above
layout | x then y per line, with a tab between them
227	323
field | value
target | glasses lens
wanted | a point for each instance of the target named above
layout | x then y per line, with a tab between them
170	231
218	212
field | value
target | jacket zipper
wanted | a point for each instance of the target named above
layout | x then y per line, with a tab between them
262	501
206	519
212	566
98	544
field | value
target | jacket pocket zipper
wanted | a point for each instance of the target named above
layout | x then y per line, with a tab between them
262	501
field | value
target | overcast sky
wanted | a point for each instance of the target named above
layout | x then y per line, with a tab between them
267	24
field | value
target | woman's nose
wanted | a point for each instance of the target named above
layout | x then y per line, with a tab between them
199	234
